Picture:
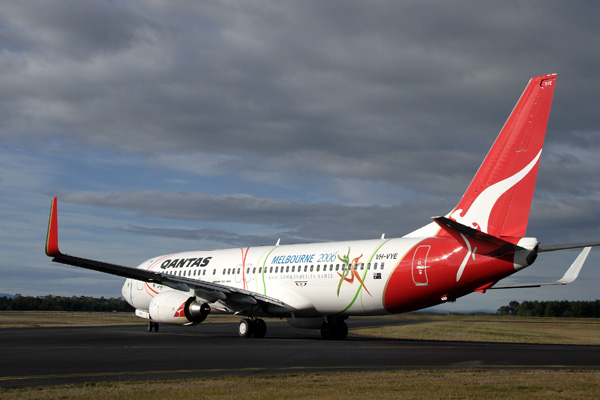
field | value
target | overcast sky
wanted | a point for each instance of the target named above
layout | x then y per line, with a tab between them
179	125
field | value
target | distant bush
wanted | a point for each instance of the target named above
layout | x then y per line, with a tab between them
60	303
564	308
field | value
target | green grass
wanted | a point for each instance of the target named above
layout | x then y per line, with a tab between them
30	319
402	384
491	328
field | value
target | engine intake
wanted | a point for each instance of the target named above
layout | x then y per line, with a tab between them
196	312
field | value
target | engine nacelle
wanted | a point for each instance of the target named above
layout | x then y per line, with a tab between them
177	308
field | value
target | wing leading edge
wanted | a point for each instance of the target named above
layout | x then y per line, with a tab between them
235	298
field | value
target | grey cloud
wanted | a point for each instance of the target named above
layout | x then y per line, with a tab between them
263	79
271	95
294	221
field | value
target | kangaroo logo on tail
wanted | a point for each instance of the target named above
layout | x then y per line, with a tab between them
479	213
499	197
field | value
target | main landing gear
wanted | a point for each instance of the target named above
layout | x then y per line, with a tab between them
334	329
152	326
252	327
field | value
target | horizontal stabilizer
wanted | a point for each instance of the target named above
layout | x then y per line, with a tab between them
569	276
486	244
557	247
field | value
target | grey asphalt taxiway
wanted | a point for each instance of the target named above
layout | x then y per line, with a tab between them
53	356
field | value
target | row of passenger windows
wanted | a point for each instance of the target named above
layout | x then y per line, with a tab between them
284	269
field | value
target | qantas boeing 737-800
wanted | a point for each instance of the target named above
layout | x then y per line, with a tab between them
319	285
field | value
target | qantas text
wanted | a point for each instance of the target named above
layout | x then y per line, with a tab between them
186	262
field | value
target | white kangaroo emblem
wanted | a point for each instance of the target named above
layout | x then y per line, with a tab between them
478	214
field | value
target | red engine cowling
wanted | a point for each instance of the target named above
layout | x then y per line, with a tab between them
178	308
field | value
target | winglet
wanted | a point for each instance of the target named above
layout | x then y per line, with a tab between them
569	276
52	236
574	269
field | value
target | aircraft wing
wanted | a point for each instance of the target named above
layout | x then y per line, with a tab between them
235	298
568	277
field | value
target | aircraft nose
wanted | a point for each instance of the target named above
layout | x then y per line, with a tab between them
125	291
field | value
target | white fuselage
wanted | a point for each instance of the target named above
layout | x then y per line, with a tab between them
314	279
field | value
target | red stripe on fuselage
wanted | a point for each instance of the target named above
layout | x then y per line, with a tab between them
427	274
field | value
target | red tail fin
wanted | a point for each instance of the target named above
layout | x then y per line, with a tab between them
498	199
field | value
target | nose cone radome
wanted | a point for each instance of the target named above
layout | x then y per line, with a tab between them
126	292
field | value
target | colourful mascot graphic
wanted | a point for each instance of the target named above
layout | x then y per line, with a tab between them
350	270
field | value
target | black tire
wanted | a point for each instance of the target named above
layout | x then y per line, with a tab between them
340	330
327	331
245	328
152	326
259	330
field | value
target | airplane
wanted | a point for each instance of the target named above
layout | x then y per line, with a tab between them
319	285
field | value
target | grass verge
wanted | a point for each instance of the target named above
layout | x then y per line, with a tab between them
439	384
31	319
491	328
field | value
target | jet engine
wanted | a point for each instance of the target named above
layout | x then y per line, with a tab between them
178	308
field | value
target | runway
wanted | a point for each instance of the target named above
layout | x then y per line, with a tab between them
53	356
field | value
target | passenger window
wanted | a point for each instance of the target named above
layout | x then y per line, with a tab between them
382	264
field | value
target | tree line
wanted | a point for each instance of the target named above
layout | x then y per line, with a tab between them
60	303
564	308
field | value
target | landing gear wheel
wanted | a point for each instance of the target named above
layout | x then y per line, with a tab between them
245	327
337	330
340	330
327	331
152	326
259	330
